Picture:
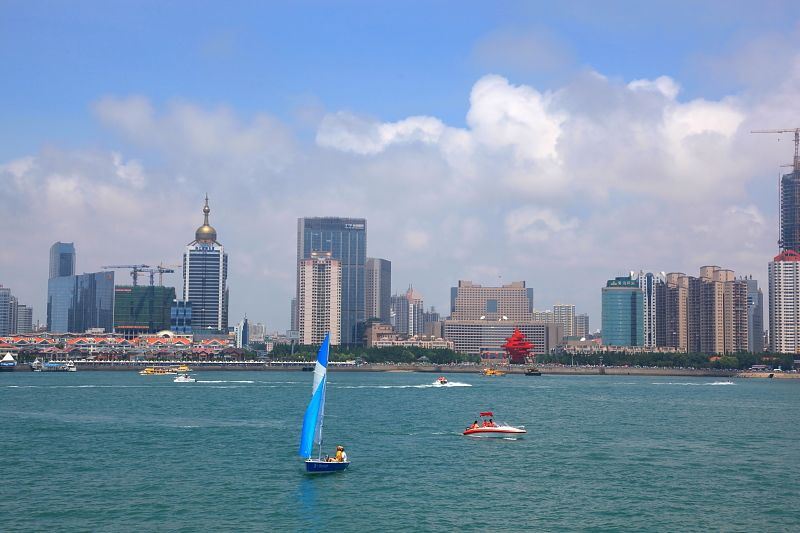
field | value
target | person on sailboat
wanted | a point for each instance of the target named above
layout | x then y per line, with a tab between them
340	455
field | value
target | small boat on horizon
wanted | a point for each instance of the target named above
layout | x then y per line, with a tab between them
441	380
488	428
532	371
184	378
493	372
311	434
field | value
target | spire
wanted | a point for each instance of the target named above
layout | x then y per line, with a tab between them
206	232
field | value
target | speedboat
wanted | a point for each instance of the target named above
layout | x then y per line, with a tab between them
532	371
184	378
493	429
441	380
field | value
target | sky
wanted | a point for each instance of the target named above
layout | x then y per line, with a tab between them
559	144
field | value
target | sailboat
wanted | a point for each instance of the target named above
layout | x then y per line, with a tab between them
312	421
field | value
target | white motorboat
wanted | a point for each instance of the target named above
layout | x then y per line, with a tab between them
488	428
184	378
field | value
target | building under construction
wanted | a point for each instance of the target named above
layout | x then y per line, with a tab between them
142	309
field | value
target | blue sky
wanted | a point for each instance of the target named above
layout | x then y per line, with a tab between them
313	79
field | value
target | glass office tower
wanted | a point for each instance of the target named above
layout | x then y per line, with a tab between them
62	259
623	313
346	239
78	303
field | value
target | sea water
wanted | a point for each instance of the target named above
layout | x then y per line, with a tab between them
115	451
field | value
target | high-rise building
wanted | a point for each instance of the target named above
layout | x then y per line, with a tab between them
142	309
24	319
62	259
482	318
407	313
622	307
582	325
181	317
790	211
564	314
205	278
319	301
653	308
6	314
78	303
784	302
346	240
706	314
242	332
543	316
755	316
431	323
258	332
378	289
293	310
676	314
470	301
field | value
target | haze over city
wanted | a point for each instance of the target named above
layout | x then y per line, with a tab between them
560	145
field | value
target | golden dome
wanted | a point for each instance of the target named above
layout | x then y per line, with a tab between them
206	232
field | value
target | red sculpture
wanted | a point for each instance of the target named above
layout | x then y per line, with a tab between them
518	348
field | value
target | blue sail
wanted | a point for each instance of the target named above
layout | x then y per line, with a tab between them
312	420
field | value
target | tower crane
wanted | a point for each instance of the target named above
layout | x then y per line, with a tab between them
161	269
135	270
796	131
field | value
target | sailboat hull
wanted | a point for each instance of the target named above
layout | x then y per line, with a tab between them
315	466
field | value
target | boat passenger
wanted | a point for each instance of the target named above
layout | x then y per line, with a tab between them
486	424
340	455
492	424
474	425
344	455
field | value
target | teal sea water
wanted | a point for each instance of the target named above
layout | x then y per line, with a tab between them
115	451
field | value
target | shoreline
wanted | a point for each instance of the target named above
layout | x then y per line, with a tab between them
259	366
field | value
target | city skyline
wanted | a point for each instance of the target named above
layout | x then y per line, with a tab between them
450	188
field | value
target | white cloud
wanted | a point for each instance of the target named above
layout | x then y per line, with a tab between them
571	185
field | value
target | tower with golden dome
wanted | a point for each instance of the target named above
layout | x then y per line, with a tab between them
205	278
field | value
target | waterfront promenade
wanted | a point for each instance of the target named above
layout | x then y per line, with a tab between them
88	365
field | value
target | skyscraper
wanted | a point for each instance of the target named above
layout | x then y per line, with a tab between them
205	277
408	313
622	306
790	211
62	259
564	314
346	239
5	310
142	309
784	312
76	304
653	308
379	288
470	301
755	316
582	325
319	301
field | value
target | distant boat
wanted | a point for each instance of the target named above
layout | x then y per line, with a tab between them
311	433
157	371
184	378
532	371
494	430
492	372
441	380
58	366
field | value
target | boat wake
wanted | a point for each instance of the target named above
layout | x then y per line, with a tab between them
426	386
714	383
223	381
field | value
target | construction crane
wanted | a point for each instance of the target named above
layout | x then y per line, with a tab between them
135	270
161	269
796	163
